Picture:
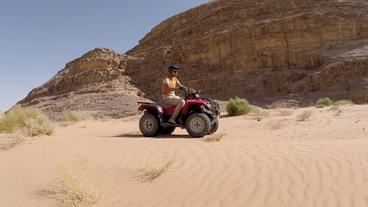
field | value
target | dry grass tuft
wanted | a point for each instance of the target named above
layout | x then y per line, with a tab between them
149	175
36	127
76	116
72	189
304	116
8	141
140	93
30	121
215	137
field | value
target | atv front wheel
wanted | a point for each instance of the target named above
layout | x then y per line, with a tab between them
198	125
167	130
149	126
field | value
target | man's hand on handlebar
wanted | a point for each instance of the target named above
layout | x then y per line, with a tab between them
183	88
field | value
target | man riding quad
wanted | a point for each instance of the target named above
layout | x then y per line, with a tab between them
169	85
198	115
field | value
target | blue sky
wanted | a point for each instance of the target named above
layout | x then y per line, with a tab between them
38	37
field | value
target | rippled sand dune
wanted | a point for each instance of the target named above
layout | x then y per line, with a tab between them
265	160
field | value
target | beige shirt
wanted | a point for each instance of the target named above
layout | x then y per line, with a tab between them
172	83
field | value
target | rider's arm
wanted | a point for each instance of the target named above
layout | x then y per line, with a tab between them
179	84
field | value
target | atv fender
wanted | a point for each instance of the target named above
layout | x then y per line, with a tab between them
153	109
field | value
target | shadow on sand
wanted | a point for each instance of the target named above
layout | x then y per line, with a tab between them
140	136
173	136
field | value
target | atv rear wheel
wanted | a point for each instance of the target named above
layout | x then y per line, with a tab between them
149	126
214	127
198	125
167	130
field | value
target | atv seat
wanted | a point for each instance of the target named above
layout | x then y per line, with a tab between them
165	105
167	109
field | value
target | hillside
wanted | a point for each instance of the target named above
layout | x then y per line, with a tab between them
267	51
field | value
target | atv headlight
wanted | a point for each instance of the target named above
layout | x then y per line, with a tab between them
208	106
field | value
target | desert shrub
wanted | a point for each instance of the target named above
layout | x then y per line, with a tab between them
140	93
76	116
237	107
322	102
29	120
344	102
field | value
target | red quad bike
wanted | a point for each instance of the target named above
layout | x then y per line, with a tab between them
199	116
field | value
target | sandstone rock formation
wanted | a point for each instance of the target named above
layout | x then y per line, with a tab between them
94	82
265	51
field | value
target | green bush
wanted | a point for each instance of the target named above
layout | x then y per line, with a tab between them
237	107
76	116
30	121
322	102
343	102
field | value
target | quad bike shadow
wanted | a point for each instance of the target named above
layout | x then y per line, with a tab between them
159	136
199	116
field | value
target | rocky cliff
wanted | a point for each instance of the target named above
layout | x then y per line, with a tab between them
265	51
95	82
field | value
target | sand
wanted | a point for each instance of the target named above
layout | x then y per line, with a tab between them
266	160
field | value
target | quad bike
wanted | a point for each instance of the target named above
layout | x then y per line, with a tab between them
199	116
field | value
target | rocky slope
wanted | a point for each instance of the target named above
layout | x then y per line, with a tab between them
94	82
265	51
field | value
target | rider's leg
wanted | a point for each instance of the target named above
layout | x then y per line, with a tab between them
179	103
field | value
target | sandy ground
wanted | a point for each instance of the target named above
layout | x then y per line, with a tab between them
263	160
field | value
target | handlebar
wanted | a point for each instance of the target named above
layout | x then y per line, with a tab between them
190	92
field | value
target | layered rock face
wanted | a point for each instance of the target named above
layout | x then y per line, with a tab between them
95	82
96	66
263	50
266	51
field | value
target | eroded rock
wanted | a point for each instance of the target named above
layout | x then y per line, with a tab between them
266	51
95	82
262	50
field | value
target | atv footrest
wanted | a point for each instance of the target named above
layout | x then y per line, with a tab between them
171	125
